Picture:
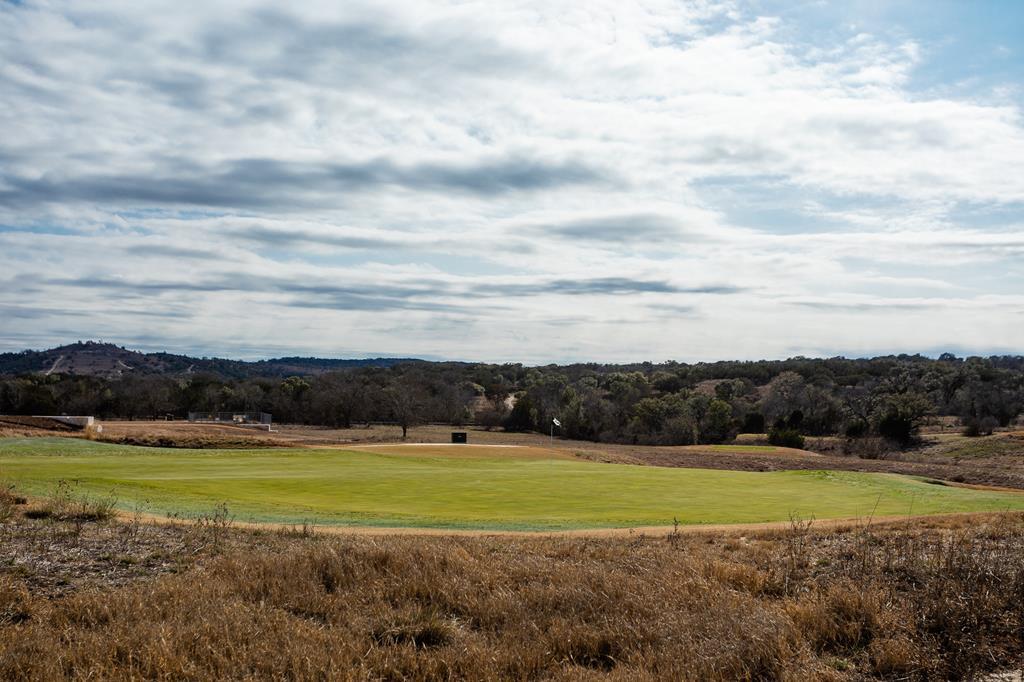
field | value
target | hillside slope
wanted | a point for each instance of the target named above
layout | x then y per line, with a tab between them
92	358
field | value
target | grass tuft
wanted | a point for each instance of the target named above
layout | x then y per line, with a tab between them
15	602
67	503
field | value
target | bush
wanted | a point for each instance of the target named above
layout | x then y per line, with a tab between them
716	427
868	448
900	416
66	504
522	417
786	438
856	430
896	429
753	422
980	427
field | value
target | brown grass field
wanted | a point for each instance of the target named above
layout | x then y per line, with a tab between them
928	599
86	594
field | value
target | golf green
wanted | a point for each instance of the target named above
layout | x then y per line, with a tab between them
497	490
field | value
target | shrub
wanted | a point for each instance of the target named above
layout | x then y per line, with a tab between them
753	422
489	418
9	499
65	504
901	415
786	438
856	429
974	427
716	426
522	417
868	448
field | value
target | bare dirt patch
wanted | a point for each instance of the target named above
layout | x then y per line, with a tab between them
953	519
170	434
14	426
54	557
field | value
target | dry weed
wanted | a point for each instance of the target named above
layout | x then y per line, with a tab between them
907	601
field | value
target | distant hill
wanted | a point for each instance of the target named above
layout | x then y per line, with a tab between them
91	358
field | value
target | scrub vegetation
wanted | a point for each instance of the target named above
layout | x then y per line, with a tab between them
917	599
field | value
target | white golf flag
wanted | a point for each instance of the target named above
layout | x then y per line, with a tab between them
556	422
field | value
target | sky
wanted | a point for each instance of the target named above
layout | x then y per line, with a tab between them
531	181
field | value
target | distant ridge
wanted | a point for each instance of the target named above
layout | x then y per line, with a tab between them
107	360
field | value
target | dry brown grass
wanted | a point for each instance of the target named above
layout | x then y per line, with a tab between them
66	503
181	434
9	500
940	599
39	423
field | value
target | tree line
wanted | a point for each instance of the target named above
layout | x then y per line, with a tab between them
645	403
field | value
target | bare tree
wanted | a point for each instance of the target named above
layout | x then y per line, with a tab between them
405	403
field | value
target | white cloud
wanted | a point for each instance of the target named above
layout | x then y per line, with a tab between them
503	181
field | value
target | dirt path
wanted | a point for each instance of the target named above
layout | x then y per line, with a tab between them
56	364
711	528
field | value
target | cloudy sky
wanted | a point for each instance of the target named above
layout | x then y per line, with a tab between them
528	181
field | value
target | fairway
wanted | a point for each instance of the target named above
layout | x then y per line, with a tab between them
489	488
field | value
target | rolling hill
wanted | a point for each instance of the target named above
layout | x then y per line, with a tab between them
92	358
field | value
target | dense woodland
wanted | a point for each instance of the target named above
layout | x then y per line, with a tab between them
670	403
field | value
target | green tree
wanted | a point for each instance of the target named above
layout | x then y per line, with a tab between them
717	424
899	415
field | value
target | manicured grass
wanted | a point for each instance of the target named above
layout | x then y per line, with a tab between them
493	491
